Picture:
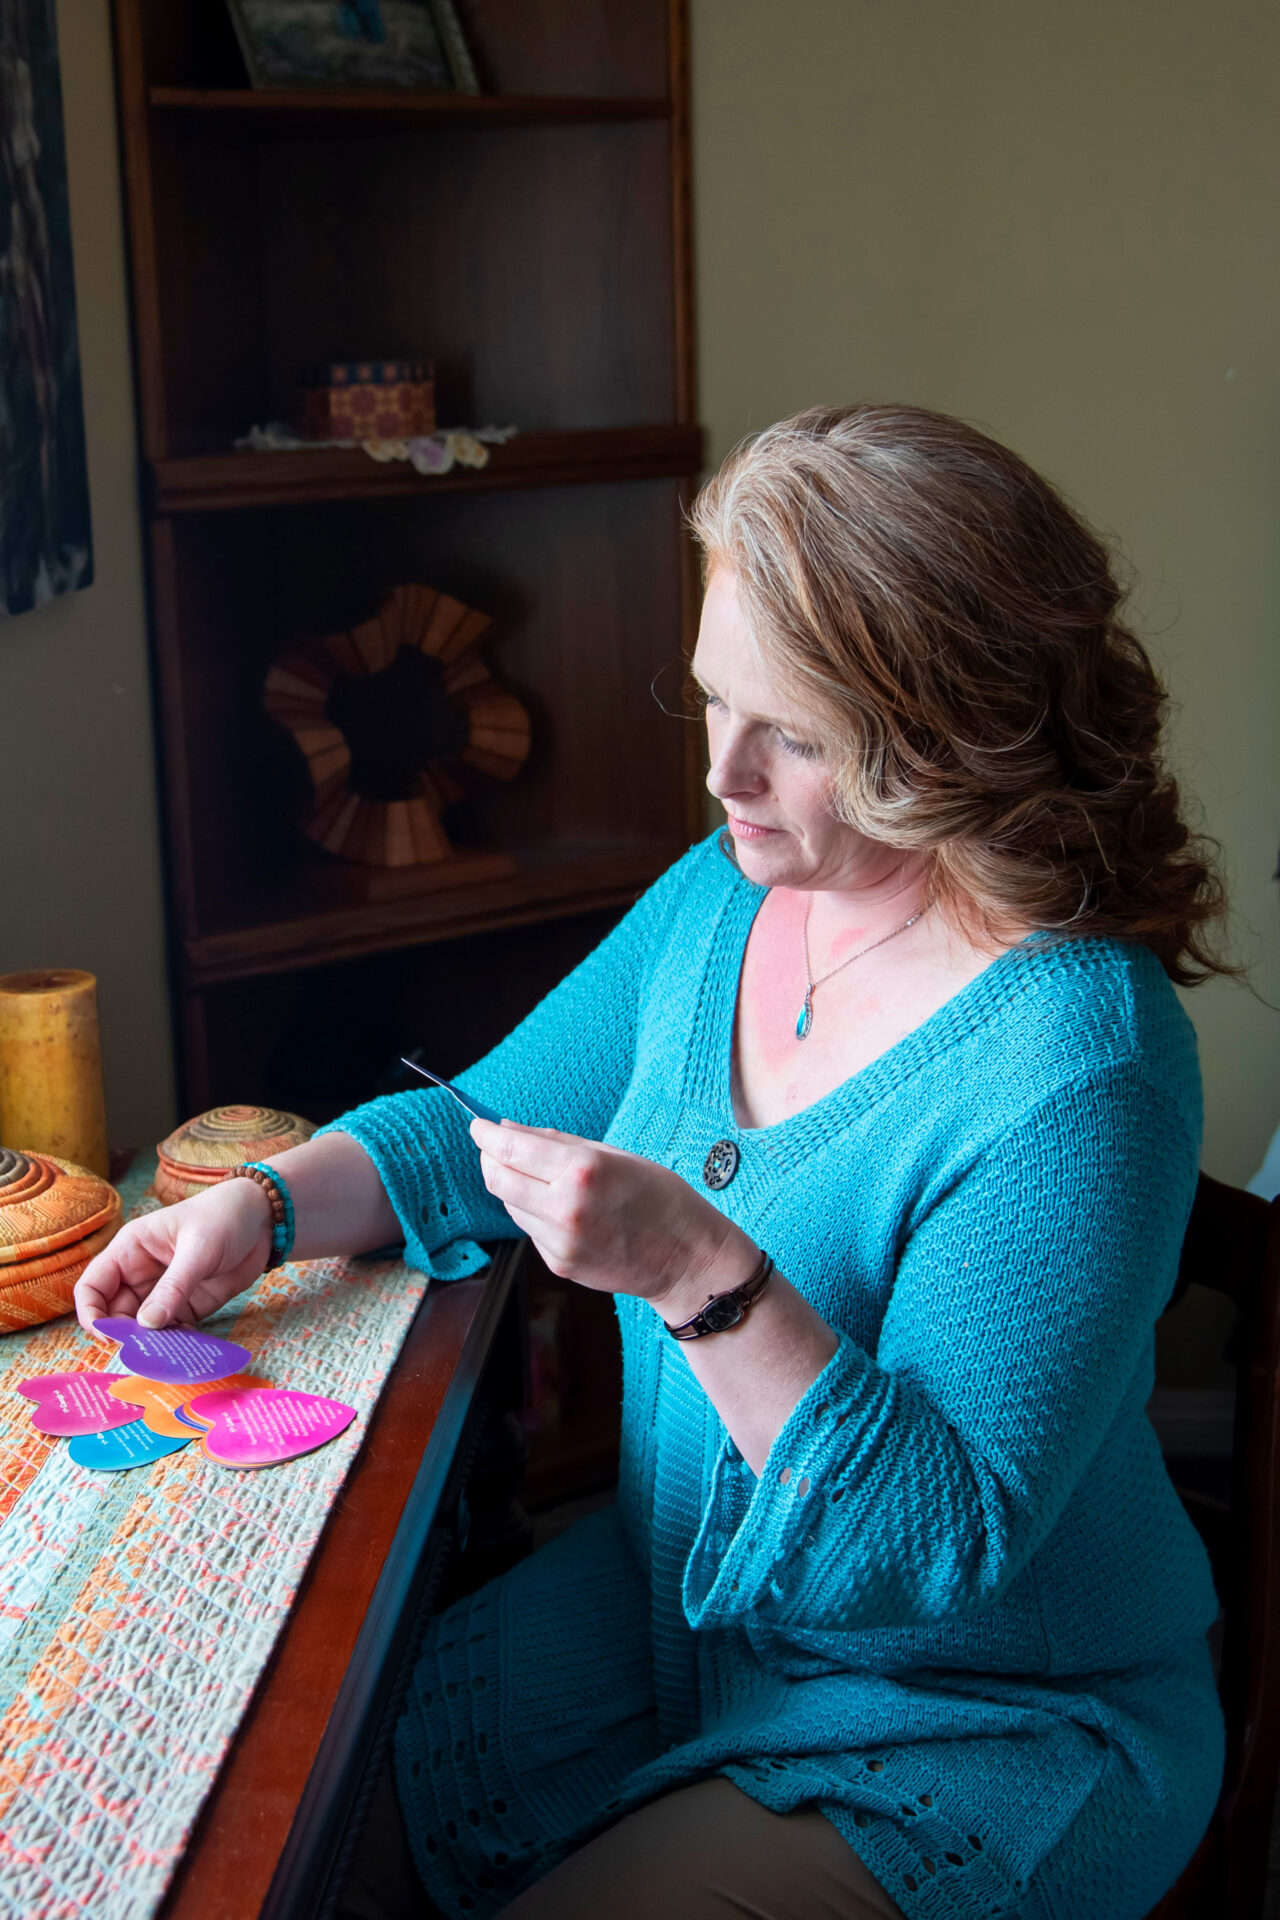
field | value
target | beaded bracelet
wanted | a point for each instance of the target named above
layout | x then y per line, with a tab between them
283	1231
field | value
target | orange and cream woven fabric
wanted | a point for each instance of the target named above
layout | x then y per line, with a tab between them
137	1609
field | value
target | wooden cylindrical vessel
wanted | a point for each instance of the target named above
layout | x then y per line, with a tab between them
51	1096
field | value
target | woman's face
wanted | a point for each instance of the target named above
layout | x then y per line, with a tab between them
767	766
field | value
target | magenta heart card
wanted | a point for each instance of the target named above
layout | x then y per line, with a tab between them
259	1429
73	1403
174	1353
132	1446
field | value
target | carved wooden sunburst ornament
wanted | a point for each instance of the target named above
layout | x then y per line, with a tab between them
389	718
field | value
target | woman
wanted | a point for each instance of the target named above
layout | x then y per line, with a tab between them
896	1610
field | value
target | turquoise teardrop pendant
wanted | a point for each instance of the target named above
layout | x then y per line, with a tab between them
805	1021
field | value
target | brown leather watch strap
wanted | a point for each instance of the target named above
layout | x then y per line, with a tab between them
724	1310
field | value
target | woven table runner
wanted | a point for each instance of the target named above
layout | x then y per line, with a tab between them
138	1609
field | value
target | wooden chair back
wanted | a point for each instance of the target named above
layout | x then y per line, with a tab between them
1233	1245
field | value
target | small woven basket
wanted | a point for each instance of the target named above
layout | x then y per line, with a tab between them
205	1150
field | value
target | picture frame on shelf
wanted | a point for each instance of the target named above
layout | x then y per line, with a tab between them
354	44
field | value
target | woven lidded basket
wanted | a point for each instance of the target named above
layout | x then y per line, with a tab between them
205	1150
54	1217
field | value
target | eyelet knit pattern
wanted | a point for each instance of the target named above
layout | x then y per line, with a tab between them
961	1609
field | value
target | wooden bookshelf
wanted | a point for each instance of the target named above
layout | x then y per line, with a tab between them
533	241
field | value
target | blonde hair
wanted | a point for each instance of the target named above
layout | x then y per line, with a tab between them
956	630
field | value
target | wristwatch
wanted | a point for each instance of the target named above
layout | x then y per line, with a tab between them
725	1310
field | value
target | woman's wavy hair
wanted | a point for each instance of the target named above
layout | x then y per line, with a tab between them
956	630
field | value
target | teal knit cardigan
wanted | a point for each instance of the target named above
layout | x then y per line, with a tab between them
960	1610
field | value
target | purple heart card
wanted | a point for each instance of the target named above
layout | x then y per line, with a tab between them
174	1353
73	1403
259	1429
131	1446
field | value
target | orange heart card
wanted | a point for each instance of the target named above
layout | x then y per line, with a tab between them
160	1399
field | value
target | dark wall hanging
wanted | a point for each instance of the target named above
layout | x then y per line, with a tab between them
45	546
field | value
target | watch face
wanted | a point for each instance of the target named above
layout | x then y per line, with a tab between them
721	1314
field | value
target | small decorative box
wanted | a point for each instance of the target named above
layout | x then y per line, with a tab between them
367	400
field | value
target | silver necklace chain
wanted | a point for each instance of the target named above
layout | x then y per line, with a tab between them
805	1020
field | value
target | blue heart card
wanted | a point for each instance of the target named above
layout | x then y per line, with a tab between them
131	1446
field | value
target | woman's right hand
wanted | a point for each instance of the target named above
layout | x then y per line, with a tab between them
181	1262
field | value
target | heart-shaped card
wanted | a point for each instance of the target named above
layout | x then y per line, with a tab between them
174	1353
74	1403
260	1429
161	1400
132	1446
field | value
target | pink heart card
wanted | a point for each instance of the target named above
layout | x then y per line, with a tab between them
73	1403
132	1446
174	1353
260	1429
161	1400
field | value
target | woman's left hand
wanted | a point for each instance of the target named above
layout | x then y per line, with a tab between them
612	1220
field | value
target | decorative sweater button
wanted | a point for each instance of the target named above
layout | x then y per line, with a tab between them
720	1165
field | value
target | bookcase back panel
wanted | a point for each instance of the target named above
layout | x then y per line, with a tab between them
319	1041
188	43
531	263
485	252
583	588
568	46
210	279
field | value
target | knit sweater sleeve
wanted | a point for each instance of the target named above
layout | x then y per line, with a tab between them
567	1065
913	1486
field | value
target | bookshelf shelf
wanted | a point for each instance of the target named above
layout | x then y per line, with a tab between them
282	109
202	483
315	917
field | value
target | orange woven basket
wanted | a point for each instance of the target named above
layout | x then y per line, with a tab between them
54	1217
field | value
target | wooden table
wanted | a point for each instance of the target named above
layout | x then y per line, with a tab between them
271	1830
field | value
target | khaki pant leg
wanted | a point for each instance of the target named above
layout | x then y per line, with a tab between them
710	1852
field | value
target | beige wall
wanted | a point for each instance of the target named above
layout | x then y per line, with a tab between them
1059	221
79	862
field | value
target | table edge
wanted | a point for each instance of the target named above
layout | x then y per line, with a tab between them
213	1853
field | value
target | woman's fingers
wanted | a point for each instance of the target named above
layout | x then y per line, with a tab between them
514	1188
193	1261
92	1303
549	1241
535	1133
536	1151
126	1303
122	1274
600	1217
182	1262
